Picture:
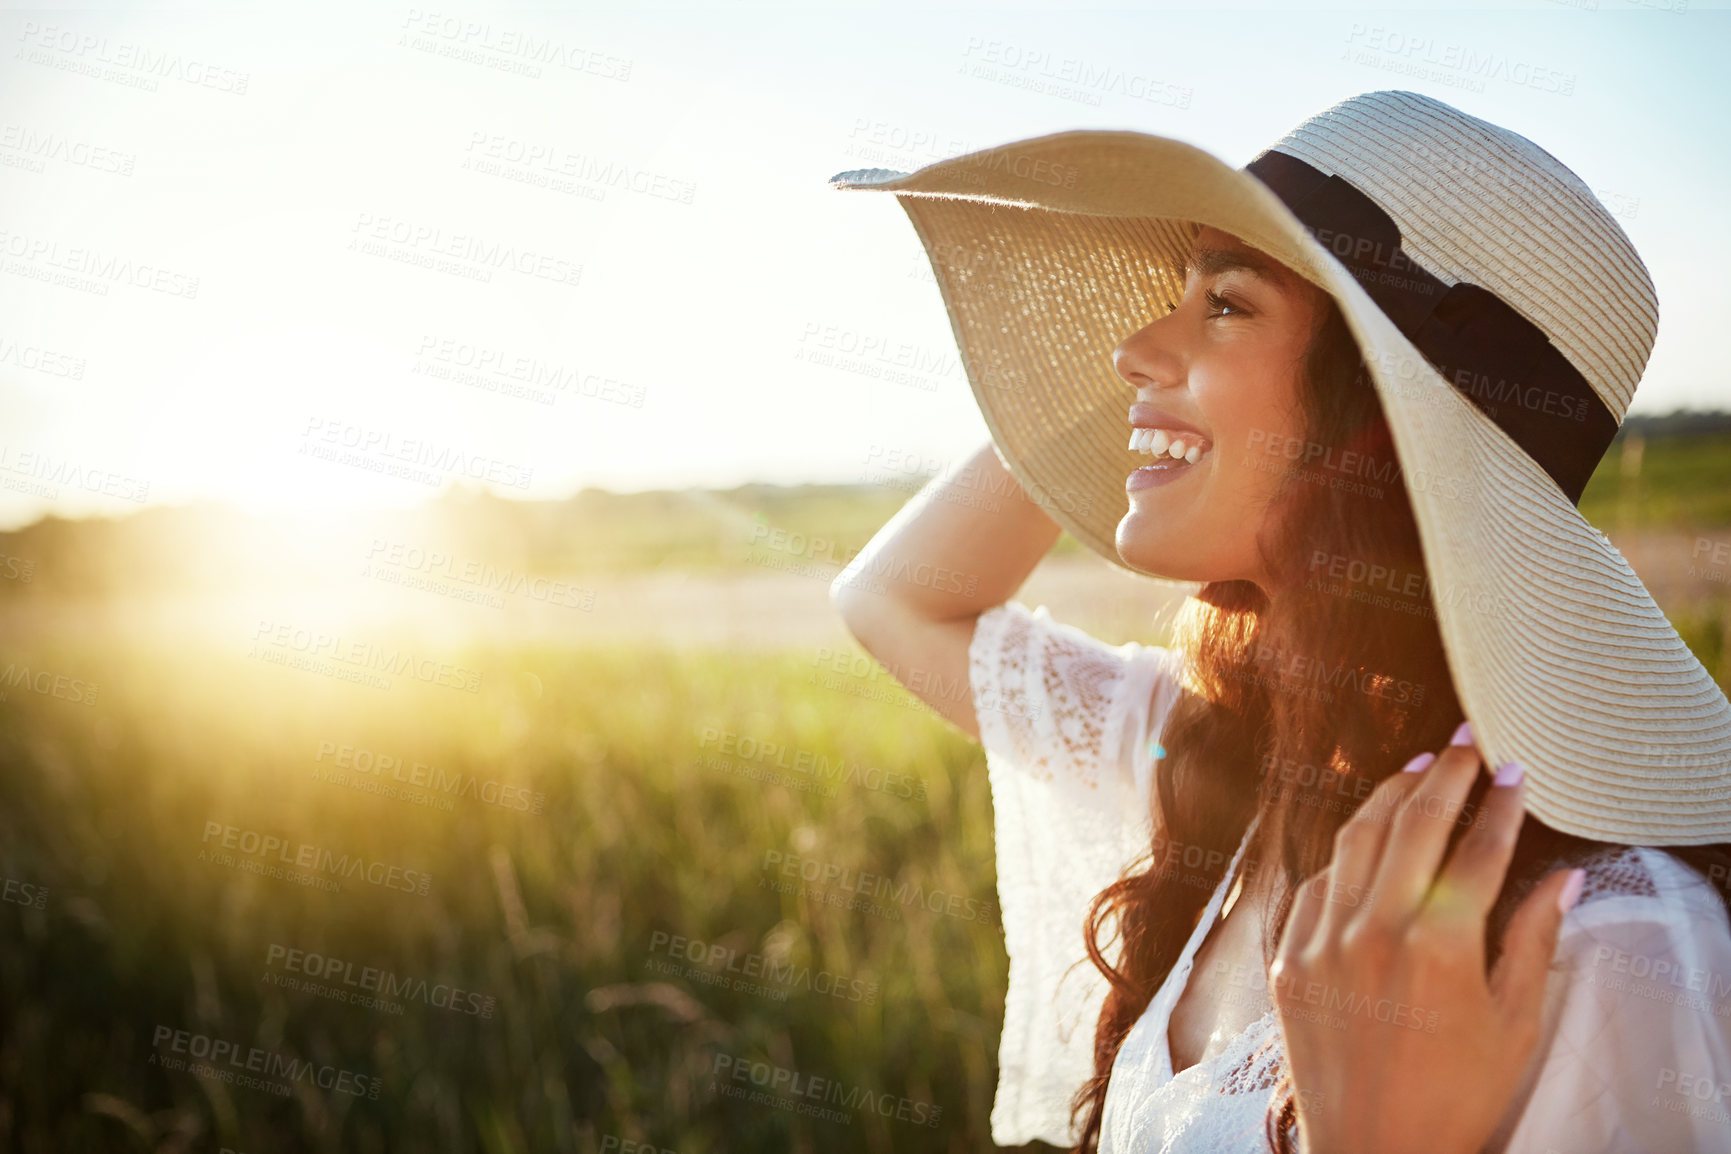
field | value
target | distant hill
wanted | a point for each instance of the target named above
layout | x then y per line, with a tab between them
1681	422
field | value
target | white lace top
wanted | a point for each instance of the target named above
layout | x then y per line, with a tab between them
1635	1054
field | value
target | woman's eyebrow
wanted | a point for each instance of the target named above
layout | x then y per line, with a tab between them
1213	261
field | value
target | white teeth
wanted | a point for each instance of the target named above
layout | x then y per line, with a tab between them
1160	443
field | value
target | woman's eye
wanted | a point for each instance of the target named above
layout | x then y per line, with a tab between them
1217	305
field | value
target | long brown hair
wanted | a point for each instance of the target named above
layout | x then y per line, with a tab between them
1294	707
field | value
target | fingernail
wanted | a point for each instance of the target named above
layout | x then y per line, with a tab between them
1509	773
1571	890
1463	735
1418	763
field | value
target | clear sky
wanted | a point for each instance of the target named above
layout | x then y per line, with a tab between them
588	247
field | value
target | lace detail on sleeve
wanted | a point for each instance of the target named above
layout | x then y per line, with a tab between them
1064	719
1044	693
1636	1049
1616	873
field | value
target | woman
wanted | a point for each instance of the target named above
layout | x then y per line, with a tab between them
1315	921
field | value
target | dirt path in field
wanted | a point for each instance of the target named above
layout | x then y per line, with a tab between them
755	609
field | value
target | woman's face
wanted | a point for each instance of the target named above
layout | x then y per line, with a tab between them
1220	373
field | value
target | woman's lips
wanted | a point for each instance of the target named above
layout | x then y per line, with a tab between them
1175	446
1162	472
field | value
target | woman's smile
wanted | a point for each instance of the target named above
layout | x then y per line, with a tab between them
1174	445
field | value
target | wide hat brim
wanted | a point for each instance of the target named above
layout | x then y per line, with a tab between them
1049	251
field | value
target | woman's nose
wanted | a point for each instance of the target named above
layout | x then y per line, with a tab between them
1146	358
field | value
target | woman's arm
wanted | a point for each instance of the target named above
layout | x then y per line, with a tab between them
960	546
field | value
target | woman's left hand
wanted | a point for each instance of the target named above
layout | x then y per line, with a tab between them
1395	1037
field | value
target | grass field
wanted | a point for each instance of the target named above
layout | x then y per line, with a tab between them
546	888
595	817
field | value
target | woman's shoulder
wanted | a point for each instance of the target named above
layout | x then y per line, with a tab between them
1019	639
1645	881
1644	912
1048	693
1635	1020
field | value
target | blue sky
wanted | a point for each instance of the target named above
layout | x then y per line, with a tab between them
252	254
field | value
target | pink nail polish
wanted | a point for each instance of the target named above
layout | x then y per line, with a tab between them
1571	890
1463	735
1419	763
1509	773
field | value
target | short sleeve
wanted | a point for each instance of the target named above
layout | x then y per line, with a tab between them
1067	722
1635	1053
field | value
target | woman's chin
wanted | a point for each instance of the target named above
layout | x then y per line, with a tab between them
1160	553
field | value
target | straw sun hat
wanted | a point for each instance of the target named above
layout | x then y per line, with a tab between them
1505	319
